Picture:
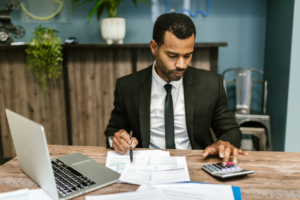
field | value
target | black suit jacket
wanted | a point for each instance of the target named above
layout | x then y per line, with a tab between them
205	107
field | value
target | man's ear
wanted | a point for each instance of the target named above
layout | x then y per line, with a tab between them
153	47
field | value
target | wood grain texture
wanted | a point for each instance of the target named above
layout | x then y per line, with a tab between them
21	93
201	58
276	174
92	76
145	58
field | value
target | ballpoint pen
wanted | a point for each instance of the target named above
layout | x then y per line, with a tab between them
131	152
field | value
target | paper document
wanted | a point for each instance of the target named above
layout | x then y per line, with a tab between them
38	194
156	170
193	191
26	194
117	161
145	195
15	195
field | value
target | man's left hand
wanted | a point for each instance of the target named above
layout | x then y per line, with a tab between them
225	150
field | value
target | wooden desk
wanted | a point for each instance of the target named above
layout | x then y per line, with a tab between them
277	174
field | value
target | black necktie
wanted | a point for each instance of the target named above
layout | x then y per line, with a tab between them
169	119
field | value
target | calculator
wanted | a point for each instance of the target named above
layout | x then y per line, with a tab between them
224	172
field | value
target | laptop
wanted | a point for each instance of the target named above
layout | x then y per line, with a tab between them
63	177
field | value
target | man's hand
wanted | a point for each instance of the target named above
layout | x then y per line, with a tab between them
121	141
225	150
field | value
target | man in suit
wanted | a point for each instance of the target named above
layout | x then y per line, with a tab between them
171	105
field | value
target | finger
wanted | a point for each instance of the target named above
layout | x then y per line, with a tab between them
243	152
124	144
117	134
117	149
135	142
206	152
227	155
221	150
125	136
118	141
235	156
123	140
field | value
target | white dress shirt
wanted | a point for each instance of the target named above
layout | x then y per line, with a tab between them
157	121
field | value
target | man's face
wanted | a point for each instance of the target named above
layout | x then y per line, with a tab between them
172	57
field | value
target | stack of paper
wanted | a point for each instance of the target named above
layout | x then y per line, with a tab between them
192	191
117	161
159	176
176	191
149	167
25	194
145	195
156	170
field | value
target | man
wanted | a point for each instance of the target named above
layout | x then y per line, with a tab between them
171	105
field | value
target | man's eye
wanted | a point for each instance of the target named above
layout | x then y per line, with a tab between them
172	56
187	56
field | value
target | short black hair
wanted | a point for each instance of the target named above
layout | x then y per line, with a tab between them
178	24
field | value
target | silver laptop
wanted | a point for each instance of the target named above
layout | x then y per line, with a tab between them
63	177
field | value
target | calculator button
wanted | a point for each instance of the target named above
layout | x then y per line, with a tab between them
229	163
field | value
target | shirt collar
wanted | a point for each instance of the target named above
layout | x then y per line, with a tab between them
161	82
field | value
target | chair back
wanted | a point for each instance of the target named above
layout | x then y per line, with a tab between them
243	88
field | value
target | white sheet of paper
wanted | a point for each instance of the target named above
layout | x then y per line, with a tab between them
145	195
38	194
22	194
117	162
193	191
26	194
157	170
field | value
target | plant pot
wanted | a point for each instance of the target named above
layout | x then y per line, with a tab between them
113	30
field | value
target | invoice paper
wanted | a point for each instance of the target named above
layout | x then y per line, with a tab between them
193	191
157	170
117	161
145	195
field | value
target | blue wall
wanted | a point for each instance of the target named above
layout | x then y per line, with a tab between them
241	23
293	111
277	65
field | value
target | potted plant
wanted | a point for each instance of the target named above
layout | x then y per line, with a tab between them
44	55
112	27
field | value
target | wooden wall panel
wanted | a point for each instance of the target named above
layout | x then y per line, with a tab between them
92	78
145	58
21	93
201	58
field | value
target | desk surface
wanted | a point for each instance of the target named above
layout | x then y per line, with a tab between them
276	176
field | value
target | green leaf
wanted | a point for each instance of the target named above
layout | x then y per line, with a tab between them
135	2
44	55
146	1
94	9
100	11
78	5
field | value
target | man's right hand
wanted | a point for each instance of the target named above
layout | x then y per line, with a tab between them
121	141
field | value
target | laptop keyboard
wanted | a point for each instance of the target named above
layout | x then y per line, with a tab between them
68	180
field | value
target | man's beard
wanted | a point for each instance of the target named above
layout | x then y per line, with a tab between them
168	73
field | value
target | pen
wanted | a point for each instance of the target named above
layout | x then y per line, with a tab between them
131	152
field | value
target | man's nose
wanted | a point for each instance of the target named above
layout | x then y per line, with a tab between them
180	63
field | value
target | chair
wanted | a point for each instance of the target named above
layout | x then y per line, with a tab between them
259	121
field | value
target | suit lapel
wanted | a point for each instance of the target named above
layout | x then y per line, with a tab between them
189	100
144	106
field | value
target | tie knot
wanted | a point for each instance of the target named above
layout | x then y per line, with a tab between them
168	88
